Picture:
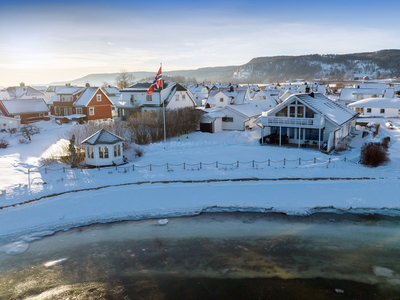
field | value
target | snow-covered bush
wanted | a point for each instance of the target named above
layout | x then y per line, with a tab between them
373	154
3	143
27	130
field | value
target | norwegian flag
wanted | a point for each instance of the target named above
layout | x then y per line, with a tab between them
157	82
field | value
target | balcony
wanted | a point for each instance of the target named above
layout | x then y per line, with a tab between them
316	122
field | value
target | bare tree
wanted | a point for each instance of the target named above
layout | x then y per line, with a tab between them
124	79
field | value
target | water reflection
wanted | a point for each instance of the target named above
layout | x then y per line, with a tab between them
224	256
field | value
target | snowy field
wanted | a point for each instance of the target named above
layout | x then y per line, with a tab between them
154	198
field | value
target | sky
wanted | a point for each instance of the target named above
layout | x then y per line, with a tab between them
46	41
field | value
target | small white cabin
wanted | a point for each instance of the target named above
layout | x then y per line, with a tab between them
103	149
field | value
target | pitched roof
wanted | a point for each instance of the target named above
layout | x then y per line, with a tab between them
25	106
377	102
87	95
338	114
246	110
102	137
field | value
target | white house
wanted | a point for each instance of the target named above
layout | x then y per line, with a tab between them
377	107
231	95
135	97
350	95
103	149
231	117
263	100
307	119
7	123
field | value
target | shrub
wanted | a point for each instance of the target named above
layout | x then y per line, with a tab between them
3	143
23	141
385	142
373	154
138	151
28	130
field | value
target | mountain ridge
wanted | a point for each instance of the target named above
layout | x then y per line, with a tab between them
382	63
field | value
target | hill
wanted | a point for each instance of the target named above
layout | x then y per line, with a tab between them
384	63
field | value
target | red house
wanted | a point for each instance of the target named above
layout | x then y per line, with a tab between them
88	103
27	110
95	104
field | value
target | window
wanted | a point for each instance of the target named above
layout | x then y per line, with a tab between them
91	111
79	110
183	97
259	97
90	152
221	99
292	111
398	112
98	98
264	97
300	111
100	152
282	112
227	119
133	98
105	152
117	150
382	111
149	98
309	113
176	97
70	110
369	110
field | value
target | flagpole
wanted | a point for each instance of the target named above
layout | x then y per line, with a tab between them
165	132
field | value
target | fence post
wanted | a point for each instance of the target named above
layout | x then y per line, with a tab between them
253	163
345	159
238	164
315	160
167	166
329	160
133	167
269	162
45	170
116	168
150	167
284	161
63	169
81	170
200	165
216	164
299	161
184	165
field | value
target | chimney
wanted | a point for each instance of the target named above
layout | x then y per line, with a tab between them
87	84
312	94
22	84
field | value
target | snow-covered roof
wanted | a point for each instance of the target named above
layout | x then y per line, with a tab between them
111	90
87	95
377	102
246	110
69	90
25	106
102	137
333	111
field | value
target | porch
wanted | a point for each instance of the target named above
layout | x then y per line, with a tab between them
293	137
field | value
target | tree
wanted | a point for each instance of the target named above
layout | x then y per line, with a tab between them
28	130
124	79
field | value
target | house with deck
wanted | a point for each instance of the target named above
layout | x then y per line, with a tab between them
307	120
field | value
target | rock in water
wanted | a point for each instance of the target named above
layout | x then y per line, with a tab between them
162	222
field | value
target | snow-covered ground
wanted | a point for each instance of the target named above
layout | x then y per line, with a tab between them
152	198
